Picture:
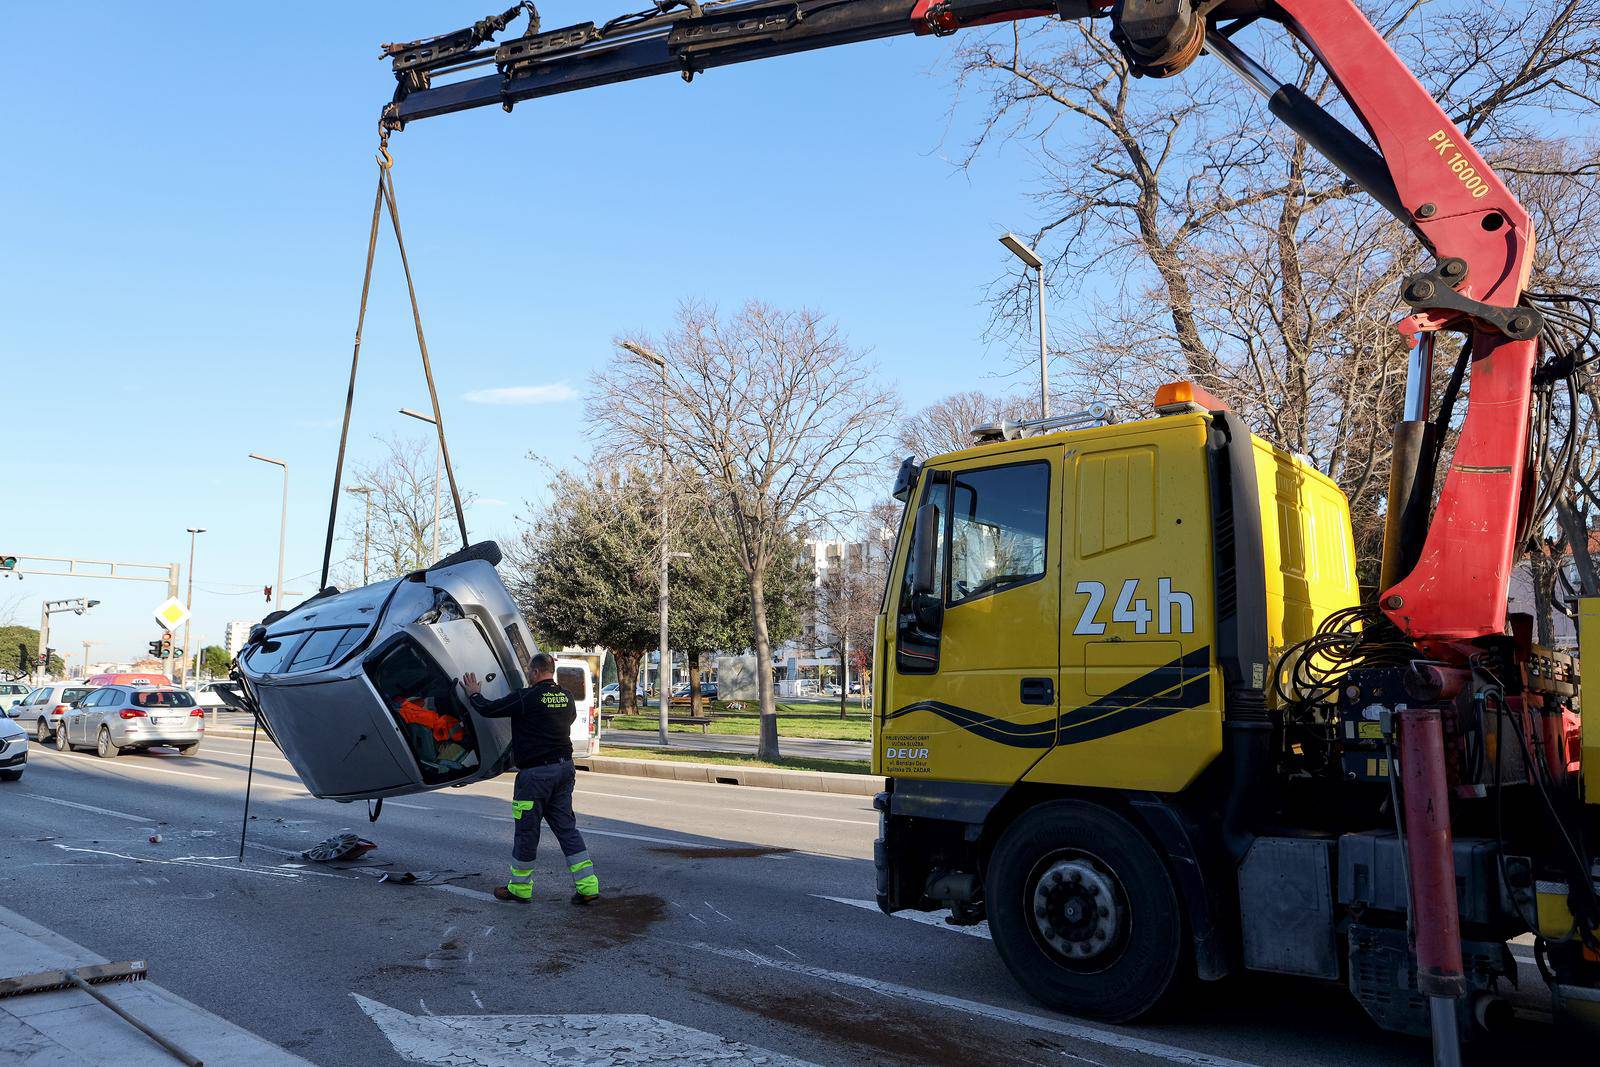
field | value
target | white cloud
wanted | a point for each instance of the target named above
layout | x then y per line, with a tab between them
488	502
554	393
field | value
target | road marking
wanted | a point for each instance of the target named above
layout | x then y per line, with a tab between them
924	917
461	890
106	765
618	796
795	815
183	862
1059	1027
476	1000
516	1040
713	907
90	807
415	807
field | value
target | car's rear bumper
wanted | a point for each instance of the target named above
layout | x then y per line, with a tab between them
159	735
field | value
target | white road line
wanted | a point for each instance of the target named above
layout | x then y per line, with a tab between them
269	872
618	796
925	917
90	807
415	807
795	815
106	765
461	890
1059	1027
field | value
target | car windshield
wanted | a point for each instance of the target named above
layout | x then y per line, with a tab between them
163	698
12	690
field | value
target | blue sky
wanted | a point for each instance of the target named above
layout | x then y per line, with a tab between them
185	228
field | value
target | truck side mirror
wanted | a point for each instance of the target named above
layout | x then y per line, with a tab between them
922	540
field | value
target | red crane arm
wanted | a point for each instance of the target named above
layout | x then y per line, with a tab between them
1424	171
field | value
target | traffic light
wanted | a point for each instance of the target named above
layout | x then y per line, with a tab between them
44	657
166	644
155	648
8	563
266	591
24	657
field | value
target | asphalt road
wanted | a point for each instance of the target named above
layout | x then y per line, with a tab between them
741	914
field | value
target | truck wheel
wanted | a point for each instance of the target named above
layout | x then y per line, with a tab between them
1083	912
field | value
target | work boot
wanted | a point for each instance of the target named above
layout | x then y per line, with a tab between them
585	898
502	893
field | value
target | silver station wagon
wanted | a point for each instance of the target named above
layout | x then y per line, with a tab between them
360	690
118	718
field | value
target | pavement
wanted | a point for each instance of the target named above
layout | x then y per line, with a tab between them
737	926
69	1026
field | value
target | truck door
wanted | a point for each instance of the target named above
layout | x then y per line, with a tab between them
972	686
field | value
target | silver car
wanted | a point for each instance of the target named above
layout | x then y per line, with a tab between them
43	708
13	750
360	690
116	718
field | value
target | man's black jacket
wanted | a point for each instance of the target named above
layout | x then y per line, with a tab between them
541	722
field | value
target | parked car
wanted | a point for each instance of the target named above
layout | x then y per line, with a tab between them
708	691
611	695
11	694
13	750
832	690
116	718
208	696
41	709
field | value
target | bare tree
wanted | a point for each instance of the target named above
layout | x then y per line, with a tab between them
848	593
774	411
400	536
946	425
1235	254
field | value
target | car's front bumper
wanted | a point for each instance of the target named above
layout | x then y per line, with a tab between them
14	756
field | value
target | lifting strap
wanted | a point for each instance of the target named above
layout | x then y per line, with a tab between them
385	196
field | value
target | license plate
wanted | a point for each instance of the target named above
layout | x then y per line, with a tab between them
167	721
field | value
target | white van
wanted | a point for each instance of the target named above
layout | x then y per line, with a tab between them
579	675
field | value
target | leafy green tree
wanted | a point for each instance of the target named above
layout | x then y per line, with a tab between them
583	570
214	661
18	661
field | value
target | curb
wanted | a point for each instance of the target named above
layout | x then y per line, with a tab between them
864	785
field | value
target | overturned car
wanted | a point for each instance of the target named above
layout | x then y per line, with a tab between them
360	690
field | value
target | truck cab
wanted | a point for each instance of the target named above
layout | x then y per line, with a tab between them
1071	623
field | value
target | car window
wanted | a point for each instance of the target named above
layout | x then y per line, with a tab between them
163	698
72	696
422	700
999	521
323	647
270	656
103	698
575	680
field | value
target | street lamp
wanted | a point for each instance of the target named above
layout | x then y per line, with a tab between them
283	526
1032	260
366	529
665	670
438	464
188	597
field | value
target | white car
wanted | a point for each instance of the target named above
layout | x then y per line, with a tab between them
40	711
13	750
11	694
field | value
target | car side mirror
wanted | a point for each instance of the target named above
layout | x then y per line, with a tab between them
923	561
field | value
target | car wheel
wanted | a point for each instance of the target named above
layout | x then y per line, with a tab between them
104	748
42	732
61	739
188	750
10	776
1083	912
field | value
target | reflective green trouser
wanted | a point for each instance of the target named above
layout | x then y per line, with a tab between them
545	793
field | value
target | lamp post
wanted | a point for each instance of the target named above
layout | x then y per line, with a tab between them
664	672
283	526
188	605
1032	260
438	467
365	491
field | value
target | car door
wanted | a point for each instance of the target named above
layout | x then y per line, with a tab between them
973	691
84	721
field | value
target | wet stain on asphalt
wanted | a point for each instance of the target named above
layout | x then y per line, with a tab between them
694	852
899	1037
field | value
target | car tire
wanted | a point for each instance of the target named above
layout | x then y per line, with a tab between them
188	750
61	739
10	776
103	746
1083	912
41	732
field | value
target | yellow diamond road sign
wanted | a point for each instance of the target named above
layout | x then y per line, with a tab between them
170	613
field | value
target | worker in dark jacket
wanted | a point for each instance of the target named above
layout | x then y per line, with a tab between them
541	743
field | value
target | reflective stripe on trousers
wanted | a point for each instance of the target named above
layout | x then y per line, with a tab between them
544	794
